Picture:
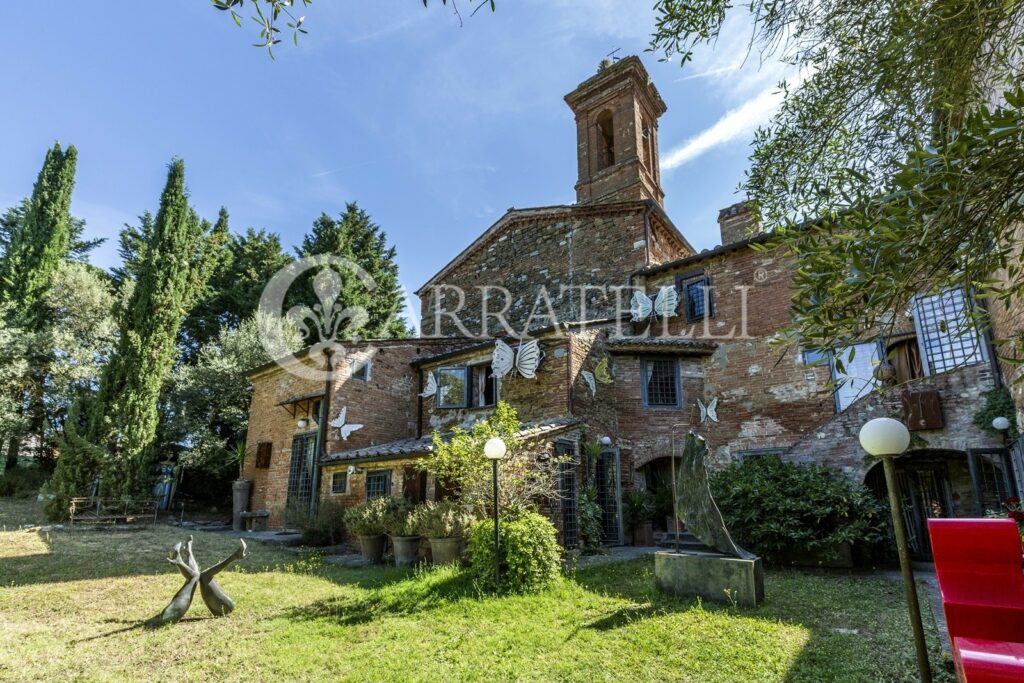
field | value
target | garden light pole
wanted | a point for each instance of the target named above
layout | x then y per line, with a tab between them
886	438
494	450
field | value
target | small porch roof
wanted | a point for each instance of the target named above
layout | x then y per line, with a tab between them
413	446
660	345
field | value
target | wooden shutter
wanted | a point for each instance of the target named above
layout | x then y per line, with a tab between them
922	410
263	451
414	484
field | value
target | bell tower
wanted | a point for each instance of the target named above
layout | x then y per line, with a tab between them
617	113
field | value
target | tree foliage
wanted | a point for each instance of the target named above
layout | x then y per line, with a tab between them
120	424
527	475
209	399
355	238
895	140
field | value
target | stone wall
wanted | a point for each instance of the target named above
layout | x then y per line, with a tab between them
836	442
545	257
1008	324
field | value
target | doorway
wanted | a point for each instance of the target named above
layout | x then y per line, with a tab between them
609	496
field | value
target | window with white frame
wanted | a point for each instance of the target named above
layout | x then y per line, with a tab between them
339	483
947	338
853	371
378	484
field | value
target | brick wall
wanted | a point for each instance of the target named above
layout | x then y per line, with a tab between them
386	406
767	398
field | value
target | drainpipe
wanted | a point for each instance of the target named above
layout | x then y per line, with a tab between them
419	404
321	431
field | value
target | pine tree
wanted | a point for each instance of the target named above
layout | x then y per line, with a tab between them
171	274
355	237
235	289
40	239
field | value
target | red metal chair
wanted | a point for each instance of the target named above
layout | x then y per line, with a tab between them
978	563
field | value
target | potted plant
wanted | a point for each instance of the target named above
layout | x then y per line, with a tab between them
240	489
402	524
640	509
366	521
445	525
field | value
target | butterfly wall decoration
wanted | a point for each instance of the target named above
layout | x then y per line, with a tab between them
601	372
588	377
523	360
708	412
344	430
431	388
663	304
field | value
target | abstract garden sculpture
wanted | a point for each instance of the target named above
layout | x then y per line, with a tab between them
217	601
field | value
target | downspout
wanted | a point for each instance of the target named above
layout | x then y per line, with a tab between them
419	405
321	430
647	232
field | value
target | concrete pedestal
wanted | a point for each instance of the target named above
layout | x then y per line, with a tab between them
711	577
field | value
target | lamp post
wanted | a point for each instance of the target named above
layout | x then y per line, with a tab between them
494	450
886	438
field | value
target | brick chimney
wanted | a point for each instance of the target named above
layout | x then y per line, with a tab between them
738	222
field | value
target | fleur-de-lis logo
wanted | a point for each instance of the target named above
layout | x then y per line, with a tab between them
326	324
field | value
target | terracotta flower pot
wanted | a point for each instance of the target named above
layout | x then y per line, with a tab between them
240	489
643	535
372	548
407	550
445	550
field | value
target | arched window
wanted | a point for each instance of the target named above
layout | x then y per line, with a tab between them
605	140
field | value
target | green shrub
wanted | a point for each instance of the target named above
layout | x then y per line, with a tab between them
402	519
591	521
326	527
529	553
640	508
774	508
446	519
367	519
22	482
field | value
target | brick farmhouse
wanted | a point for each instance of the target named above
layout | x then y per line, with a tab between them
565	276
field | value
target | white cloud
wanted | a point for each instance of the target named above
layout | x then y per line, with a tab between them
740	122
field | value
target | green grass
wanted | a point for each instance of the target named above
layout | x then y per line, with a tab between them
72	604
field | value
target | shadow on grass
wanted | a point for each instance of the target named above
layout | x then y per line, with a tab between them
391	592
856	623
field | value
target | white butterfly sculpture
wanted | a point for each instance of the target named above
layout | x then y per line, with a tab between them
345	430
524	360
663	304
431	387
709	411
588	377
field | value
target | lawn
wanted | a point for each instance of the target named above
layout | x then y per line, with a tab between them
73	603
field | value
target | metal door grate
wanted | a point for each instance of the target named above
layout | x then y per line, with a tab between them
300	471
567	494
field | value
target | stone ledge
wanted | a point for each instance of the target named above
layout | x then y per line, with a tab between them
710	576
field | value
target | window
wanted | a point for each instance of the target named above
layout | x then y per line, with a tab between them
339	482
605	140
264	449
378	484
854	376
414	484
451	387
758	453
361	370
696	294
300	471
660	382
484	387
815	356
945	333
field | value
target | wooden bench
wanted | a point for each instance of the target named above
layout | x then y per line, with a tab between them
90	510
978	564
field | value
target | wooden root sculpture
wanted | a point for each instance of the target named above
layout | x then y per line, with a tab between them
696	507
217	601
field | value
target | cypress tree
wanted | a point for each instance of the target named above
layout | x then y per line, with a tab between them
172	273
40	239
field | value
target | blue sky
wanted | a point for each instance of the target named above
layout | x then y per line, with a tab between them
434	129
